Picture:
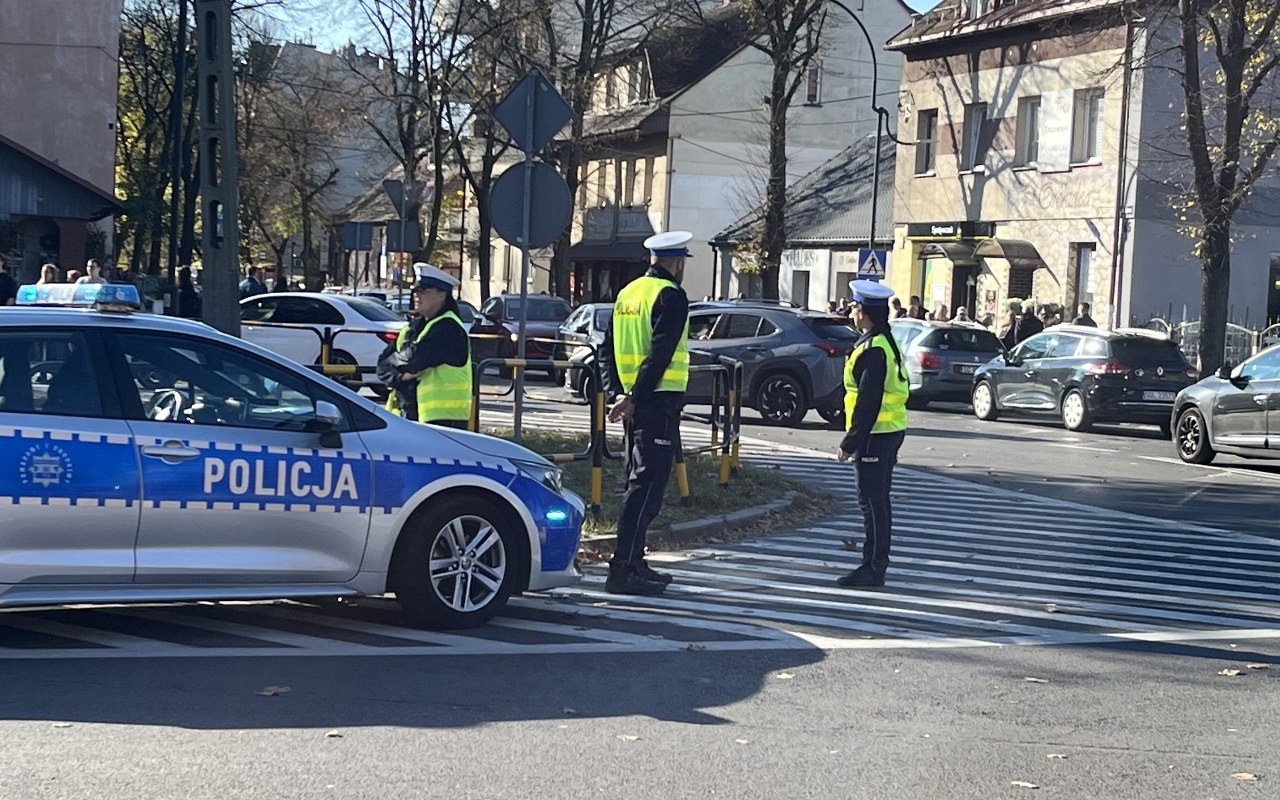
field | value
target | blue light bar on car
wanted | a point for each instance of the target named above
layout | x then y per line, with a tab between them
109	296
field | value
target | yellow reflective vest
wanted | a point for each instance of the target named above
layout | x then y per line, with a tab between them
893	406
444	391
633	335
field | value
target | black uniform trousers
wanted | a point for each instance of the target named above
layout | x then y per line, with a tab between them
875	482
651	438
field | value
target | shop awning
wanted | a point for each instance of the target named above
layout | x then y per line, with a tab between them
620	250
1017	252
960	251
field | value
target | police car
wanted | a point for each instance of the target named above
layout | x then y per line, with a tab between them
147	458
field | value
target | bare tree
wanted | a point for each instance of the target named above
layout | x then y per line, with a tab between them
1230	51
789	34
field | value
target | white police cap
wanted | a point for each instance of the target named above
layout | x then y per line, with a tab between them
671	243
870	293
432	277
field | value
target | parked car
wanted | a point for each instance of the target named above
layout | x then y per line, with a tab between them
942	357
581	336
1085	375
1234	411
375	325
222	470
499	322
403	306
793	359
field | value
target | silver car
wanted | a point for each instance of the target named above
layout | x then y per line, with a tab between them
149	458
942	357
1235	411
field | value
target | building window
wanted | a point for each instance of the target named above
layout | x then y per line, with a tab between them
927	141
1084	272
637	83
975	140
628	182
1087	131
813	85
611	89
601	187
1028	145
647	195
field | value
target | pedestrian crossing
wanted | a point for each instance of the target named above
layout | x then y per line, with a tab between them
972	566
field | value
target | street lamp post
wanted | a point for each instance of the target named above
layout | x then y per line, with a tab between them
881	126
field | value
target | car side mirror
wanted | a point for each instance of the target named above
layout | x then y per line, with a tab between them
328	418
1224	371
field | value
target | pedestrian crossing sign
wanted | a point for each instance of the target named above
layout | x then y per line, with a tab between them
872	264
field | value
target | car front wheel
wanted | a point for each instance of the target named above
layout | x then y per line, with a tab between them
1192	438
984	402
456	564
1075	412
780	399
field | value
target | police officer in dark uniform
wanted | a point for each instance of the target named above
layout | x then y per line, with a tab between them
645	359
428	367
875	408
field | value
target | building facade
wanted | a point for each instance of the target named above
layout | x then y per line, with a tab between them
679	131
1042	138
57	132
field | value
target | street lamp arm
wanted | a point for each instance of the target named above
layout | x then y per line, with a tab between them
880	110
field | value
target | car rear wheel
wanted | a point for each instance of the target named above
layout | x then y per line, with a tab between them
780	399
1075	411
833	416
984	402
1192	438
457	563
917	403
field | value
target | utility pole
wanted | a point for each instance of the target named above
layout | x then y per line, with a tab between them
219	195
175	163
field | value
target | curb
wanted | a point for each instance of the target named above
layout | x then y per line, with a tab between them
693	530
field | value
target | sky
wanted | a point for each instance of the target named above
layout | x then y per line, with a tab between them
330	24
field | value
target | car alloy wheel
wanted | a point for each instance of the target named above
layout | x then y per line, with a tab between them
468	564
1075	413
983	401
1191	438
781	400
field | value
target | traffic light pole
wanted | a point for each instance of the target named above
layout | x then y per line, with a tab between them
219	195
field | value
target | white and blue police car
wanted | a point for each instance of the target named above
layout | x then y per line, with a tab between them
146	458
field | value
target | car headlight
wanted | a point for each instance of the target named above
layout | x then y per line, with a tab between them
548	475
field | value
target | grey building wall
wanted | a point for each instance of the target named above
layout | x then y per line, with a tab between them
58	94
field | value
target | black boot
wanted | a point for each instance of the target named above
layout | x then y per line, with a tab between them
628	579
862	577
652	574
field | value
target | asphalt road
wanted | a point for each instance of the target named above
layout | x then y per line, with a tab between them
1136	709
1128	468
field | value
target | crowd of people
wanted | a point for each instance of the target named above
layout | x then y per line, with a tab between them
1022	319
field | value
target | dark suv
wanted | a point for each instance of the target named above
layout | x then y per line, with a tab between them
793	359
1085	375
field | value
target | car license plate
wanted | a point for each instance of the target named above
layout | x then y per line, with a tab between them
965	369
1165	397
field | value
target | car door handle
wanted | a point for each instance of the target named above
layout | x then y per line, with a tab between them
172	450
1260	399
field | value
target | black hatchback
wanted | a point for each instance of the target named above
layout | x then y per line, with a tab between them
1085	375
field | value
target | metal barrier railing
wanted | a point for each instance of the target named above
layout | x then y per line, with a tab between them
327	334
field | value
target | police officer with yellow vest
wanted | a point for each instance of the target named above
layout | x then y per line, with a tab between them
645	358
429	366
875	409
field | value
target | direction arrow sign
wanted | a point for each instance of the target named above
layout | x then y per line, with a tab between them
872	264
532	128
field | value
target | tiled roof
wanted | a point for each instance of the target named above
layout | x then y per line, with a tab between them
950	18
832	204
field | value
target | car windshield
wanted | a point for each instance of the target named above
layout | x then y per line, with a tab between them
1147	352
837	328
964	340
370	310
603	315
542	310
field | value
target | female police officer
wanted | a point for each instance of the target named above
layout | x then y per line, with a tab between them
875	409
429	366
